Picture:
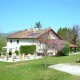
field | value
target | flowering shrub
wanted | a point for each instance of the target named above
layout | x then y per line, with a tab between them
55	44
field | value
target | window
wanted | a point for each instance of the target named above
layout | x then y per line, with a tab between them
10	41
17	41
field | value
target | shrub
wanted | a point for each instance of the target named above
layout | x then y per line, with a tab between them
78	49
64	51
17	52
28	49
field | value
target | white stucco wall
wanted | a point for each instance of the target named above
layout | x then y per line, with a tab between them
14	46
53	36
21	42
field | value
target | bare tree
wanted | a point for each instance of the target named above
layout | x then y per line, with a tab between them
76	33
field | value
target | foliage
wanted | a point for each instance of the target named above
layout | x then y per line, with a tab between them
2	42
17	52
55	44
28	49
70	34
78	49
4	50
64	51
38	25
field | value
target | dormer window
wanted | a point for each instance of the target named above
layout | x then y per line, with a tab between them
11	41
17	41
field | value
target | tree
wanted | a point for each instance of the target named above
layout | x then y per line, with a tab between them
55	44
2	42
71	35
62	32
76	33
38	25
59	32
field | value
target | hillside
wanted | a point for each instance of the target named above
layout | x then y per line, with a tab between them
4	35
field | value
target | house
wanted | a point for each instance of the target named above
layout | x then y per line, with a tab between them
35	36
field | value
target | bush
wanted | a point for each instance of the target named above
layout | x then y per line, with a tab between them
64	51
28	49
2	42
17	52
78	49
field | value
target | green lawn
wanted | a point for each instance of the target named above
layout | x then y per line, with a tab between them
34	69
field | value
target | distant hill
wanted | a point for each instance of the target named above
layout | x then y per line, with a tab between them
5	35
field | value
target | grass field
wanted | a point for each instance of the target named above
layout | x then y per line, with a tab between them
34	69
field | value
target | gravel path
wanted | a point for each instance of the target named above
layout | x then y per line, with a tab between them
69	68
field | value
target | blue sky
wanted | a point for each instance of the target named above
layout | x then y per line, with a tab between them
23	14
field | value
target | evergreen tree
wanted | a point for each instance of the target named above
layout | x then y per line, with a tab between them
60	33
71	35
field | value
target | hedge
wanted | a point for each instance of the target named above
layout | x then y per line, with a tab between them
28	49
